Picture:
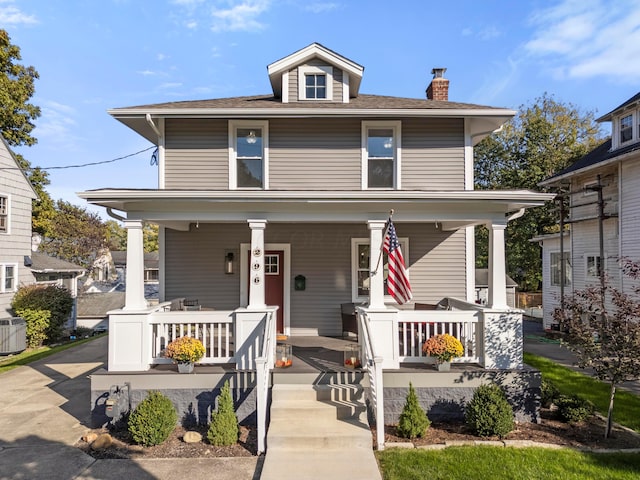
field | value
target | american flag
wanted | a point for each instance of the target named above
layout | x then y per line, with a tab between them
397	281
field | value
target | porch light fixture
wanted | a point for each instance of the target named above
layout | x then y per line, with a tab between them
228	263
251	138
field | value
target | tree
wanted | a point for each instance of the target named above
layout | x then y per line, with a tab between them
117	236
75	235
16	88
542	139
605	336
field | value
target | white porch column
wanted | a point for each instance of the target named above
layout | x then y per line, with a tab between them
134	294
497	298
376	269
256	265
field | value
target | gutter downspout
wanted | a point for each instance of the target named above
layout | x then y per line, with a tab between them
515	215
112	214
158	130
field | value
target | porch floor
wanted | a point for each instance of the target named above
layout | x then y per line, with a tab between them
313	354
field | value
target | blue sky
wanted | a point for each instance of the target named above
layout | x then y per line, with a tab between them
97	55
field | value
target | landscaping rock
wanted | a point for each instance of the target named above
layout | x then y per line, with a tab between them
192	437
103	441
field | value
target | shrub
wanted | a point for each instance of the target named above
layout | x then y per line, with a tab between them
413	419
549	393
153	420
37	324
223	429
573	408
489	413
53	298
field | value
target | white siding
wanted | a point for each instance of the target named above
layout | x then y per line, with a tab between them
630	214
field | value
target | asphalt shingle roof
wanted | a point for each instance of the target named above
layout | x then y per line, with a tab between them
41	262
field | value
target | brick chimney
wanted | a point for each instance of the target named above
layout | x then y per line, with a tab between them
438	89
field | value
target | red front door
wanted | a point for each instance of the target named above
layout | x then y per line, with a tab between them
274	283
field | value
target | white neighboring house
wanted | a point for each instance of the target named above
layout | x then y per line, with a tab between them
609	174
16	194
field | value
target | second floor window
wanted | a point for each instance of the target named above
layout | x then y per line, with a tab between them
248	155
4	214
381	155
626	128
594	266
315	85
556	269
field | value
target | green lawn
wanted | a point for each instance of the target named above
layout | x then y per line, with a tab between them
28	356
482	463
626	410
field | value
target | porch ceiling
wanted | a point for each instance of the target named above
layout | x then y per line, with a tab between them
454	209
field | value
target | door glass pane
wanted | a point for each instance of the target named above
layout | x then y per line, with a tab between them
271	264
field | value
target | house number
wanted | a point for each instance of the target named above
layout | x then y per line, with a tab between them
256	280
256	266
257	252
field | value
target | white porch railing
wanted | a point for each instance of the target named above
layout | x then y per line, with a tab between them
416	326
372	364
264	365
213	328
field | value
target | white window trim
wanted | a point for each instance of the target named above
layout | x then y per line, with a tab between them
355	242
554	285
234	125
396	126
616	130
316	70
633	133
585	188
586	264
8	197
3	271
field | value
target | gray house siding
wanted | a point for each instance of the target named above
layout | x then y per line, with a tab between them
197	154
337	80
16	244
320	252
314	154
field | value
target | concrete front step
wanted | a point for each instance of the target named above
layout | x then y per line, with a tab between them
319	431
345	464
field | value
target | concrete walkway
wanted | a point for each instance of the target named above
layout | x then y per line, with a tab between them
44	410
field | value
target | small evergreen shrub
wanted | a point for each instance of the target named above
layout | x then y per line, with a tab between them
37	322
549	393
489	413
153	420
413	419
573	409
223	429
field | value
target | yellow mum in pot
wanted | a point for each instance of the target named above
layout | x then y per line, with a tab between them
185	350
444	347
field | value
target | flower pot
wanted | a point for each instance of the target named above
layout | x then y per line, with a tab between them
185	367
284	356
352	356
443	366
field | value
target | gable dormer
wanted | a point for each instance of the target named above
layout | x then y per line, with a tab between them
625	123
315	74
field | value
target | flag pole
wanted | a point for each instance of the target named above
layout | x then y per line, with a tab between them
384	235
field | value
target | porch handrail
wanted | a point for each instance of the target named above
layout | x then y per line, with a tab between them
264	365
372	364
213	328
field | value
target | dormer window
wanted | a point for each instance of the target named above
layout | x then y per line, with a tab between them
626	128
315	83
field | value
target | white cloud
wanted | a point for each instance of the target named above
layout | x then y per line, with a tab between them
12	15
169	85
489	33
587	38
146	73
57	123
242	16
467	32
321	7
161	56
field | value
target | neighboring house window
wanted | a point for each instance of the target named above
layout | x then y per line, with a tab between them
626	128
8	277
151	275
360	255
4	214
589	188
248	154
556	269
594	264
315	83
380	155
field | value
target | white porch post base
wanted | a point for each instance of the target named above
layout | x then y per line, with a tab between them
383	325
129	342
497	298
256	265
502	340
249	336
